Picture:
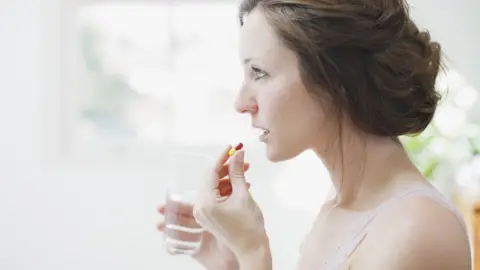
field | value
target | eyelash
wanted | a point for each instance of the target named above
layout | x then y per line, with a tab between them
258	73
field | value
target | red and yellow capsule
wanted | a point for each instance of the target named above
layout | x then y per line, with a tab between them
235	149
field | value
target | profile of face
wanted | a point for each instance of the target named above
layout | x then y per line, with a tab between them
274	95
310	77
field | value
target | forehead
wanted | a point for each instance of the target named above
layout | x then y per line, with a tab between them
257	37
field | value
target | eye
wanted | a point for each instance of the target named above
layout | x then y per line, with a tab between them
258	73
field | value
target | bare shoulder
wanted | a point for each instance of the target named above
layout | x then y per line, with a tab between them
416	233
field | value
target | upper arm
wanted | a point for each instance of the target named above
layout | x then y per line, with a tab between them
420	235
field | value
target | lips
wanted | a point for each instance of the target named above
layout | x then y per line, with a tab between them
263	132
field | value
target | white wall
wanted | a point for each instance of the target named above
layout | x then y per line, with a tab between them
67	216
20	130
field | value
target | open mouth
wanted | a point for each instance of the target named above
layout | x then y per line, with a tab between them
263	133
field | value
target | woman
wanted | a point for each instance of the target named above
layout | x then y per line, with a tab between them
344	78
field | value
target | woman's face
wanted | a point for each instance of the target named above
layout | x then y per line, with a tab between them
275	96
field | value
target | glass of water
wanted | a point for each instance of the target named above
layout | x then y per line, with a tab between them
183	235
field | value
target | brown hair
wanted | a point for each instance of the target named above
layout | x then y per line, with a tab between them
367	55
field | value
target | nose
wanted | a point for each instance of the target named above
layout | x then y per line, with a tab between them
246	102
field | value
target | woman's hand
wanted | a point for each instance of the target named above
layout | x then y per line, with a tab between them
234	220
213	255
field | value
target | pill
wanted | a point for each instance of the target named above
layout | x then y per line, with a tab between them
235	149
239	146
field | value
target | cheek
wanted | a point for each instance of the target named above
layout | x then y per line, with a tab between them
307	121
281	96
296	113
285	106
272	100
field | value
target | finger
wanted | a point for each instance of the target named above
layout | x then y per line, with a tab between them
224	171
225	183
225	187
161	209
222	159
178	208
215	177
161	226
236	171
180	220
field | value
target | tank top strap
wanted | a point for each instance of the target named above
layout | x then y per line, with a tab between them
426	191
348	247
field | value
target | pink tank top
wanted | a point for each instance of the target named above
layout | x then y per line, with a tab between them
344	251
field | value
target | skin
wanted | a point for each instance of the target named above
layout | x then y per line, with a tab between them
415	233
211	247
410	234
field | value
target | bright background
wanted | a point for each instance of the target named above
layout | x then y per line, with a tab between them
96	94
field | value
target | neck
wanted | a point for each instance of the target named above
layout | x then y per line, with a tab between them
361	166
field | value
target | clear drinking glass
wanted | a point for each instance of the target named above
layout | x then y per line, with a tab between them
183	235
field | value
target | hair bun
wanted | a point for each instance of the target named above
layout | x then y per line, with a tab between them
403	77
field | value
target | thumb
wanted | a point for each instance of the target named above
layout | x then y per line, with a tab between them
237	172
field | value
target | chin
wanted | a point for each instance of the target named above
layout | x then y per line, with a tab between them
277	153
274	157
